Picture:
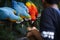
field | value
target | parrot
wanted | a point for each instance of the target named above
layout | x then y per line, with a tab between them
7	13
10	9
20	10
32	10
23	6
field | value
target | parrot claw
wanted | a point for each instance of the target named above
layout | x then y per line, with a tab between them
27	19
19	21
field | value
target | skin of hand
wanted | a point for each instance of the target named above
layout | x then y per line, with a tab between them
34	35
